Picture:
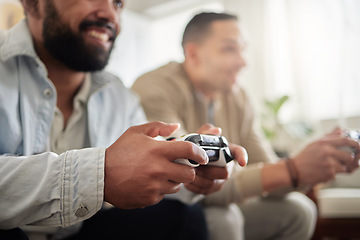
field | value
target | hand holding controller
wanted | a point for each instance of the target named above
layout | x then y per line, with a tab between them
216	147
354	135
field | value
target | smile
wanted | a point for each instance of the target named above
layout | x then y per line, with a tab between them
104	37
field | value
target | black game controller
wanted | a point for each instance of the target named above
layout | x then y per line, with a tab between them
216	147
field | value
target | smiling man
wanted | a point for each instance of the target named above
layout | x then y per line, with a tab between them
86	50
66	141
204	89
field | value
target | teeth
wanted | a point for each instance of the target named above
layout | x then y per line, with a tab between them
98	35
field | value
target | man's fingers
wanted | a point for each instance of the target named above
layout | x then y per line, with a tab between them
355	164
195	189
336	132
239	154
179	173
205	186
185	150
203	182
344	142
158	128
345	157
171	187
209	129
212	172
168	129
167	187
338	166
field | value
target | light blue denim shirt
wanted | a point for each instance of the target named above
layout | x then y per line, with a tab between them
38	186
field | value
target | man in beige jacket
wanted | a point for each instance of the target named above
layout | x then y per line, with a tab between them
204	89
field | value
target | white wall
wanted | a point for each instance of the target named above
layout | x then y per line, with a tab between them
251	15
145	44
167	32
13	1
132	51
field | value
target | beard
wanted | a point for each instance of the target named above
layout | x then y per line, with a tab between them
70	48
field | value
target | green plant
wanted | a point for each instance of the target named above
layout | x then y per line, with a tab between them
270	119
271	122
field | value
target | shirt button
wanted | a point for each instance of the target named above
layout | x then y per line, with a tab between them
48	93
36	63
82	211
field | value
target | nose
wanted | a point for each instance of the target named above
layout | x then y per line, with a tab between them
108	11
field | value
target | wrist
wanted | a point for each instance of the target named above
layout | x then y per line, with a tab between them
293	172
275	176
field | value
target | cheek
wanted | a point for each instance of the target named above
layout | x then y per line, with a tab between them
74	12
219	67
214	67
212	63
228	60
118	22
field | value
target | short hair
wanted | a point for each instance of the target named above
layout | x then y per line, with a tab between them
200	23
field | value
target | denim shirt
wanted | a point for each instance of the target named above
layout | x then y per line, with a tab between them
37	186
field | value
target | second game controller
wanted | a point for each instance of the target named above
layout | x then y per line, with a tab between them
354	135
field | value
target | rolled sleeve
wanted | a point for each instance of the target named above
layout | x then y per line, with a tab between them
82	185
50	189
249	181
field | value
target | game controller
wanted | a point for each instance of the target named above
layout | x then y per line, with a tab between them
216	147
354	135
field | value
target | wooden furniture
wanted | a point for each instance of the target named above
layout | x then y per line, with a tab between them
335	228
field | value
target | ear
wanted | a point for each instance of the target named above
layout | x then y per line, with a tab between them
31	7
191	52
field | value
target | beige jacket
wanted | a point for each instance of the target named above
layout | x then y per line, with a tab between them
168	95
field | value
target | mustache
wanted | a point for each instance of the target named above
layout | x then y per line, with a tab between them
104	24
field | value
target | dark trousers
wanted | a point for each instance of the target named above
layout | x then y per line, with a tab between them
167	220
13	234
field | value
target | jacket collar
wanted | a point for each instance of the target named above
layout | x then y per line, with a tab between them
17	41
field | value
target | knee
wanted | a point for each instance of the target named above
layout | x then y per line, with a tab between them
301	212
225	222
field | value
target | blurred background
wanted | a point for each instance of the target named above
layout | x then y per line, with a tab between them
303	57
302	74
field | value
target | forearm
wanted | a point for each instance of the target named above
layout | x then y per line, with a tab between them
278	181
275	176
256	180
48	189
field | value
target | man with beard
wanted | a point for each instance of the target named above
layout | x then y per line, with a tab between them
60	121
203	89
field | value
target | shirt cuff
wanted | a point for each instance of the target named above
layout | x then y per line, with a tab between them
82	188
249	181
